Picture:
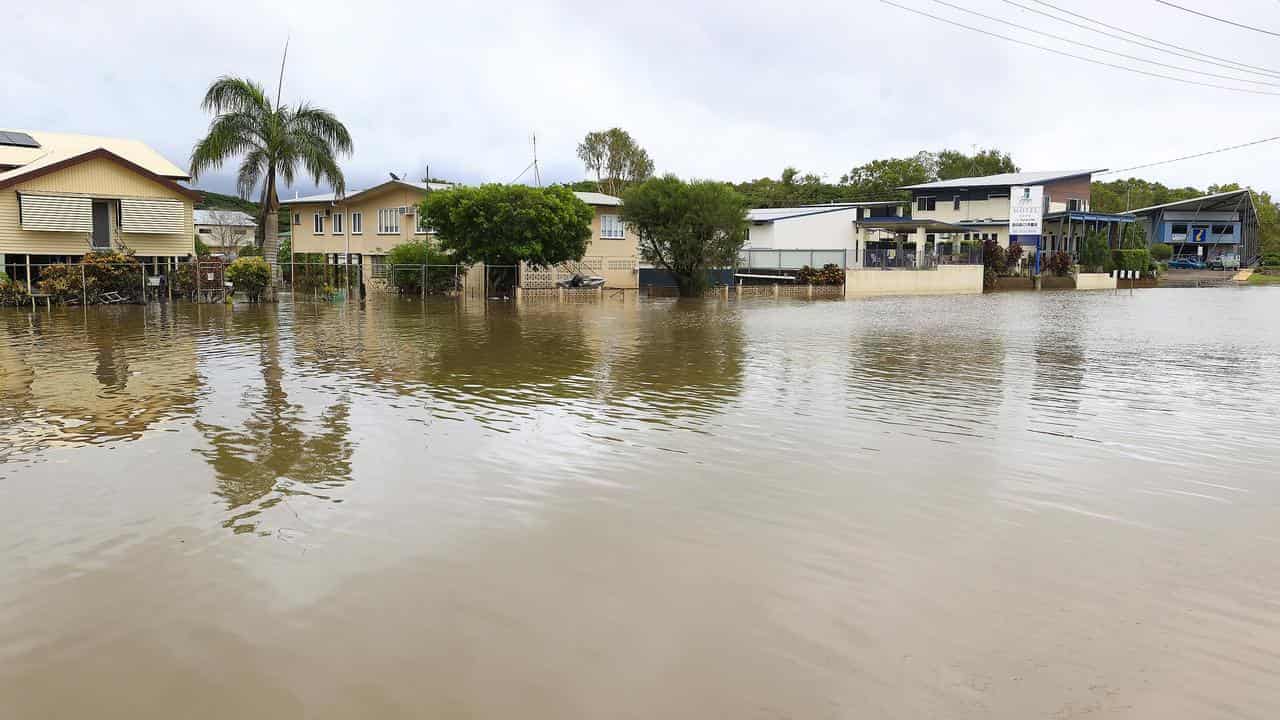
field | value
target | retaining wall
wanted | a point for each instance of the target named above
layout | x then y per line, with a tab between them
945	280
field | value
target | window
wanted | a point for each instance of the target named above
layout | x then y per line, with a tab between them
926	203
297	218
1075	205
998	196
1224	230
206	231
955	202
611	227
319	224
423	227
337	223
389	221
357	220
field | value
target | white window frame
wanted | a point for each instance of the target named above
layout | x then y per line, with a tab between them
1075	205
389	220
923	202
335	223
317	224
297	218
357	223
422	224
619	234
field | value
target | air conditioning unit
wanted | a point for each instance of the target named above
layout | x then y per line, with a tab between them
409	210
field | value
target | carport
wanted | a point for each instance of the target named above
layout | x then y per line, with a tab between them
892	235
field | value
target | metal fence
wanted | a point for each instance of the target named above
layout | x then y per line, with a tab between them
765	259
110	281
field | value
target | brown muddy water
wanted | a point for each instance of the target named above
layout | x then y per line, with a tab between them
1050	505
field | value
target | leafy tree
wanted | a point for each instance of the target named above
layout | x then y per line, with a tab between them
687	228
880	179
792	189
1161	252
1095	252
955	164
407	261
272	139
616	159
507	224
250	275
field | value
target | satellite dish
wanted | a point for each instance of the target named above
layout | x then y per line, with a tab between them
393	176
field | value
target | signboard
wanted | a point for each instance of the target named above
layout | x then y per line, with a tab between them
1199	234
1026	209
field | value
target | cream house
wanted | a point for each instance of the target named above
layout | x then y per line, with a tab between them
225	232
614	249
64	195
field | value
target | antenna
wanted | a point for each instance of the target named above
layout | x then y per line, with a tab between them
280	82
537	175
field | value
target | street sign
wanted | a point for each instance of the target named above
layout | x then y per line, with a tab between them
1026	209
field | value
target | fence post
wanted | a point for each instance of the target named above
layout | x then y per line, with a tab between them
810	291
775	289
196	268
424	282
84	288
144	283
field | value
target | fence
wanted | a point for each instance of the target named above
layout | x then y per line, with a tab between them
764	259
108	280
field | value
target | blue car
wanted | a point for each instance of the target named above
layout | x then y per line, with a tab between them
1186	263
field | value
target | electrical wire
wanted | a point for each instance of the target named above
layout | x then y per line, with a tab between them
1104	50
1218	19
1161	47
1079	57
1190	157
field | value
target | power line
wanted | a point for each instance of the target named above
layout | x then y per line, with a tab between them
1160	47
1105	50
1079	57
1221	20
1191	157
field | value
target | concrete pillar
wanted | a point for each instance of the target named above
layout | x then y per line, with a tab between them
920	241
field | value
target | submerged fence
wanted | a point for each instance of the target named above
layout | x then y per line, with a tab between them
110	280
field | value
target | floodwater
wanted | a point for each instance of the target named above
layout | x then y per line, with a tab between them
1053	505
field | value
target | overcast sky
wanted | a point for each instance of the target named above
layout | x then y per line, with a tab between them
718	90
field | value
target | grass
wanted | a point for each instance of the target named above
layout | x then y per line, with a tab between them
1259	279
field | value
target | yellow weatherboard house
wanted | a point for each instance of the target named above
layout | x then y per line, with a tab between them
63	195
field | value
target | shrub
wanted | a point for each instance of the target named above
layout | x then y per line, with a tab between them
1059	263
249	251
989	279
1161	251
118	272
12	292
1095	252
994	257
64	282
830	274
250	275
1131	259
408	280
1013	256
1271	260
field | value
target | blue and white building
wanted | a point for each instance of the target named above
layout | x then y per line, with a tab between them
1205	227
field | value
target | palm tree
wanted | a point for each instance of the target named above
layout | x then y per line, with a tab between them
272	138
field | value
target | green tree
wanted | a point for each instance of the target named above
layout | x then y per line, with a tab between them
407	262
616	159
880	179
507	224
250	275
687	228
955	164
1095	252
272	140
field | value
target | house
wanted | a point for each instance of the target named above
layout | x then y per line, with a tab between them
1205	227
368	223
790	238
362	226
1048	211
225	232
64	195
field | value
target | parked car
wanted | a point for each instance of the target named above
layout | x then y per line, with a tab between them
1186	263
1225	261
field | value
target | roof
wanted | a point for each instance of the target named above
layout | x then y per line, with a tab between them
595	198
223	217
55	147
1018	178
45	166
1090	216
768	215
1204	202
353	194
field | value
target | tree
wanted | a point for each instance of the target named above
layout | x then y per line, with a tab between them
687	228
272	139
228	231
615	158
507	224
880	179
955	164
250	275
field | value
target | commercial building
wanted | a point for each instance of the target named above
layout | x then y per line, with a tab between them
64	195
790	238
1205	227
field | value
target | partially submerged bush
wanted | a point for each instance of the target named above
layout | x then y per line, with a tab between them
1059	263
250	275
995	257
405	271
1131	259
65	282
12	292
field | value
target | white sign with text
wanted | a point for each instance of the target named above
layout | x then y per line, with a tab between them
1026	209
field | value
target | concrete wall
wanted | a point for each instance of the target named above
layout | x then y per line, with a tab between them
946	280
1095	281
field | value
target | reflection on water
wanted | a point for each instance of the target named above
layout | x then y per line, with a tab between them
1035	505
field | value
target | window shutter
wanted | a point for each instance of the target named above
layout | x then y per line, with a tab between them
55	213
151	216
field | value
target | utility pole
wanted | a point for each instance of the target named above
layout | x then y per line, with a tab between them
537	174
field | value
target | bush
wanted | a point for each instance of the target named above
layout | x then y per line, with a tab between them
1161	251
994	257
830	274
118	272
1271	260
408	280
1095	253
989	279
1013	256
1059	263
248	251
250	275
12	292
64	282
1131	259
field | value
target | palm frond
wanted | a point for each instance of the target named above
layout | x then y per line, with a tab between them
229	135
322	124
233	94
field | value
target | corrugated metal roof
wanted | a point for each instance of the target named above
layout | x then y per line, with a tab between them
595	198
56	147
1018	178
1198	202
223	217
352	194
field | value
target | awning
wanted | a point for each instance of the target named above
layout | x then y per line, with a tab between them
56	213
151	216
